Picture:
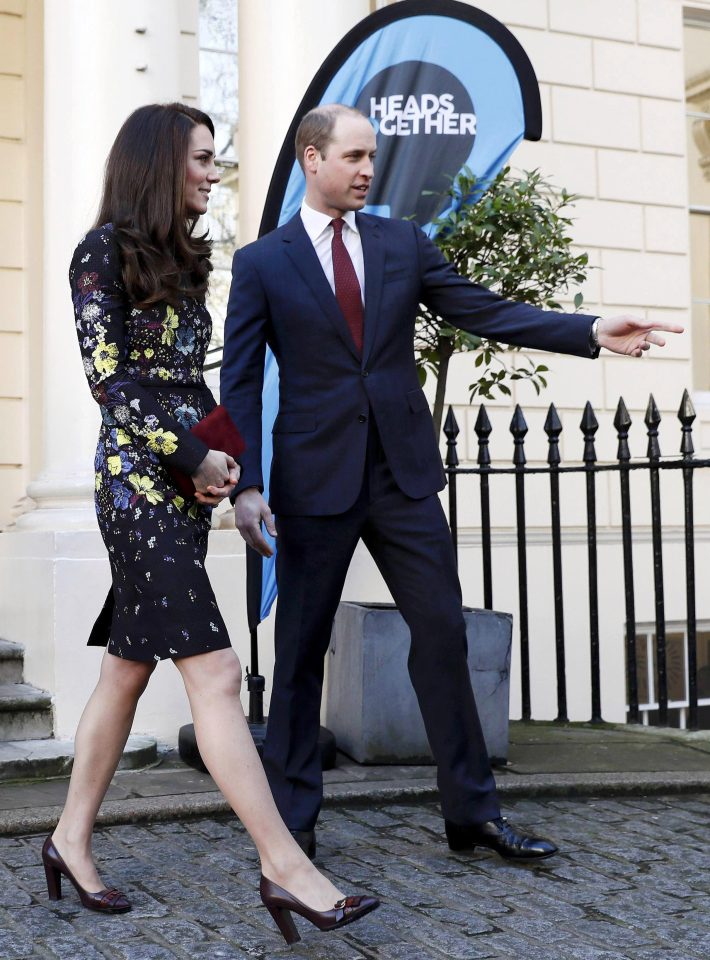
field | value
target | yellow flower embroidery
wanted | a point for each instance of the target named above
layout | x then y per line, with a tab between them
148	352
178	502
162	441
122	437
165	374
170	325
114	465
105	357
144	487
135	354
195	511
97	481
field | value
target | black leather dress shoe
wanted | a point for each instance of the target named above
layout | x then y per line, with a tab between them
306	839
502	837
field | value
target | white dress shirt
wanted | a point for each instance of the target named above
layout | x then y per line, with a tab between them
320	232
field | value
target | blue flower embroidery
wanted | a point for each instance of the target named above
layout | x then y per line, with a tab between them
187	416
185	341
121	495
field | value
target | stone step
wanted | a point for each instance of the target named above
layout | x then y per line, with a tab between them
11	662
25	712
35	759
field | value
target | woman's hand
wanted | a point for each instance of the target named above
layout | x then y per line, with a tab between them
216	477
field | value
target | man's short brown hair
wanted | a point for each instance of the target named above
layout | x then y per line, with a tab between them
316	127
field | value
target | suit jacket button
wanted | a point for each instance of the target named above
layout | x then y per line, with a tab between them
366	373
362	418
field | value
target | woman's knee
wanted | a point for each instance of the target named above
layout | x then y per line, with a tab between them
126	677
220	672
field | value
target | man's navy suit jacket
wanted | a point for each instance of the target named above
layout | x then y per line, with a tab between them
327	393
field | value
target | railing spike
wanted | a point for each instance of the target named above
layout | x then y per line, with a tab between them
518	427
686	415
589	426
553	429
622	422
622	419
652	420
553	424
483	426
652	417
451	426
451	430
686	410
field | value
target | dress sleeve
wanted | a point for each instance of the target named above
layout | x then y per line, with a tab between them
100	306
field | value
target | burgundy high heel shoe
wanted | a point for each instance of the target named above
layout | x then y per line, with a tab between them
105	901
280	903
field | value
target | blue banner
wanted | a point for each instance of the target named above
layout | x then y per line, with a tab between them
446	86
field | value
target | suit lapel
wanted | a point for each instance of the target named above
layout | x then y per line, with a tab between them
300	250
374	259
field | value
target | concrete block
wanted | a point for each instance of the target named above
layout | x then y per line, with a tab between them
188	16
12	378
645	71
371	707
663	126
600	223
654	279
12	298
679	346
666	229
25	712
190	66
12	173
660	23
12	108
528	13
12	44
558	57
596	119
11	235
666	379
613	19
12	432
642	178
11	658
565	165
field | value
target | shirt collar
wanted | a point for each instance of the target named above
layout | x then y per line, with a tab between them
316	222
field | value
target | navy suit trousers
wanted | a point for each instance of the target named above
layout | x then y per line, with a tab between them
411	545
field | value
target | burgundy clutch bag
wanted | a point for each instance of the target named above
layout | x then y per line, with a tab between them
218	431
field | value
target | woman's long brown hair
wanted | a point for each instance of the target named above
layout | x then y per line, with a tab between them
144	199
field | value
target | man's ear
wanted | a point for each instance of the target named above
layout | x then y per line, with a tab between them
310	158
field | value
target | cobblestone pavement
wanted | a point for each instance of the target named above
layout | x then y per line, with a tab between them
632	883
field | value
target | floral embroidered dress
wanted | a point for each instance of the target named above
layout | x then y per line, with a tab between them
144	369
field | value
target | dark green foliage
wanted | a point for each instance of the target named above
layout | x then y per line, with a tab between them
514	238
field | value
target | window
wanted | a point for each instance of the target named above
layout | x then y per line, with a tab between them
676	673
697	98
219	98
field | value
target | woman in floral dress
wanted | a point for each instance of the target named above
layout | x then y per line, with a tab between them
138	281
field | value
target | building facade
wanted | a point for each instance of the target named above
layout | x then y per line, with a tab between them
625	88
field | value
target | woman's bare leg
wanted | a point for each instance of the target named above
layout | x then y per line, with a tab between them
213	681
100	738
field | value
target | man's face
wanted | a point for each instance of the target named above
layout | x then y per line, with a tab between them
339	181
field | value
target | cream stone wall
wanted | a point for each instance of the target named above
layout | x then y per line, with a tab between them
611	74
20	241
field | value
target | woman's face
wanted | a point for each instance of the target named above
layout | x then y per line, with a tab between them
201	171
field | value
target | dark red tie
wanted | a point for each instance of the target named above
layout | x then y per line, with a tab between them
347	287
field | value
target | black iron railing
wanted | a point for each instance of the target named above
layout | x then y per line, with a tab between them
591	468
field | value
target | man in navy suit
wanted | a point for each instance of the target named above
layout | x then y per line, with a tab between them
335	294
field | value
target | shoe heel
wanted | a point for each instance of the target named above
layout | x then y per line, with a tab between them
54	881
284	921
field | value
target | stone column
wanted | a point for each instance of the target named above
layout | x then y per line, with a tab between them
281	45
99	60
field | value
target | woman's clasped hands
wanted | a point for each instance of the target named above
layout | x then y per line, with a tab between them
216	477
